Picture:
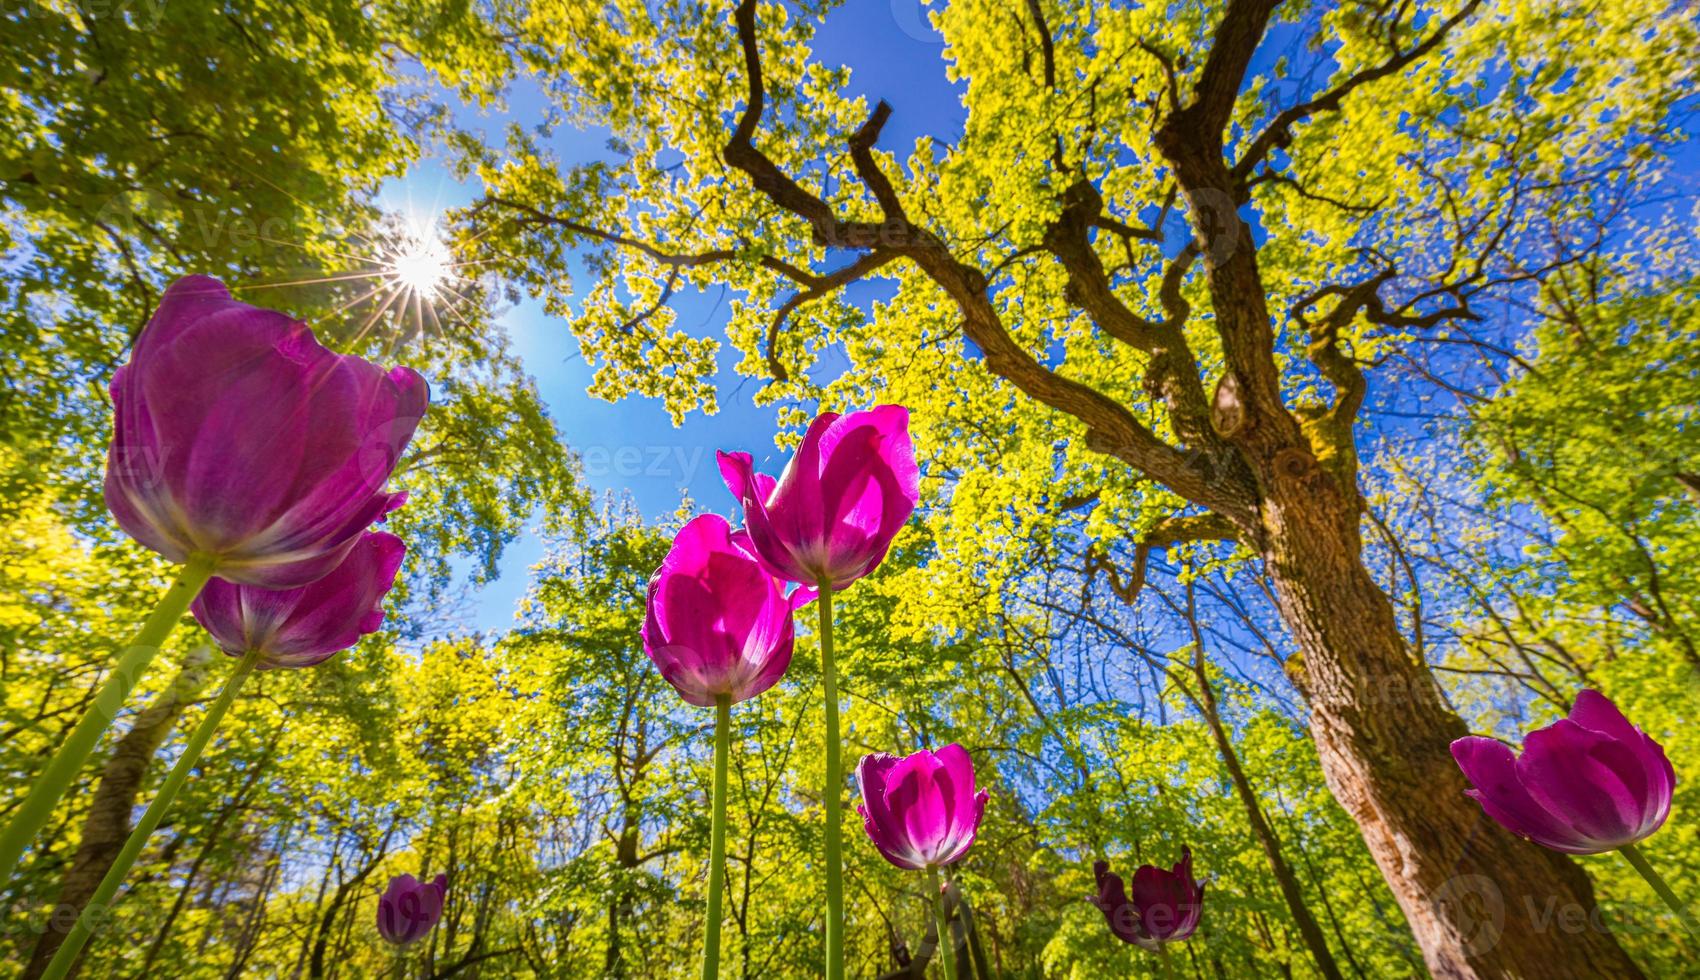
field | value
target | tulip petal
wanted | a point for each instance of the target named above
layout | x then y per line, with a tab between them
1586	780
304	626
1491	768
408	910
237	436
716	622
841	499
914	807
1595	711
914	797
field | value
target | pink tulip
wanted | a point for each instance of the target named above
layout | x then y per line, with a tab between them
409	908
718	623
1165	905
831	516
921	811
304	626
1585	784
238	438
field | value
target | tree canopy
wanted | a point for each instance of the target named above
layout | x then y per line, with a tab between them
1296	388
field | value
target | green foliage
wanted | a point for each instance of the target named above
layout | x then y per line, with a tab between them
1542	539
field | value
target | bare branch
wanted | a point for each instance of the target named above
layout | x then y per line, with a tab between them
1167	532
1280	129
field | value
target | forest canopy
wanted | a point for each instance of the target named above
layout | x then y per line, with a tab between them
1177	447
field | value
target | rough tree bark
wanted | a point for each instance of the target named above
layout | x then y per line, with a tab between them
1470	891
107	824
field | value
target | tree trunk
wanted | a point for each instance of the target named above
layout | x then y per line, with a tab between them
1317	881
248	938
1480	901
620	902
1288	882
107	825
328	920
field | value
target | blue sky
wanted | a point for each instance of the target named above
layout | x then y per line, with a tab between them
632	446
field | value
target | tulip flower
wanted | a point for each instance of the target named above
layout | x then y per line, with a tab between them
826	522
304	626
718	627
1165	906
241	447
408	908
922	813
1585	784
830	517
921	810
239	439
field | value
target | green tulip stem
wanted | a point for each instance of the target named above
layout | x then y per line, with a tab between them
717	837
68	762
102	898
1638	861
946	943
1165	964
831	795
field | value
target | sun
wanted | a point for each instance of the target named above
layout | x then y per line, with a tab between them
401	272
421	263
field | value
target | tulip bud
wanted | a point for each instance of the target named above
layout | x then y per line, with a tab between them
717	623
831	516
921	811
304	626
237	437
1585	784
408	908
1164	906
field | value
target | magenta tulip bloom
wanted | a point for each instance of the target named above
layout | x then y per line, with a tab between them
305	626
831	516
1585	784
1165	905
238	438
921	811
409	908
718	623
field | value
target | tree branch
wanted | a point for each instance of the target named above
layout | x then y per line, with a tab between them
1173	372
1279	132
821	286
1191	140
1167	532
1111	428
